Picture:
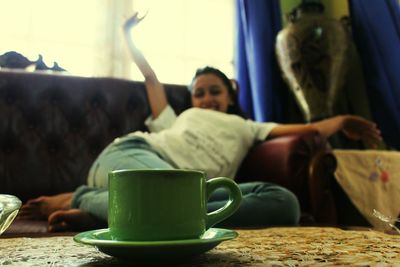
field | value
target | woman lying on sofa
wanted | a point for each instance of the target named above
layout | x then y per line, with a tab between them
213	136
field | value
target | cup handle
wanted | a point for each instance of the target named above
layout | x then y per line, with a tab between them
235	197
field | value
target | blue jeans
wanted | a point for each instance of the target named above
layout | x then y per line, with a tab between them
263	204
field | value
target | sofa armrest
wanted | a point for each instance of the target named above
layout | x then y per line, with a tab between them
302	163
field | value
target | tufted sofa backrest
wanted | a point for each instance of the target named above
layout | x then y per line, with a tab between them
52	126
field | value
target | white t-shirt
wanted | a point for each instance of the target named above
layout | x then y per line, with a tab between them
201	139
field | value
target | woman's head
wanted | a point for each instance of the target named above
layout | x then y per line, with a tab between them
212	89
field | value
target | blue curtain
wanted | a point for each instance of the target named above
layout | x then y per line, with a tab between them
376	30
257	72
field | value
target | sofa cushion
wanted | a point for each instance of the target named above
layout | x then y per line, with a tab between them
53	126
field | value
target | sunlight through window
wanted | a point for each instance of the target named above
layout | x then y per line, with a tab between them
64	31
84	37
179	36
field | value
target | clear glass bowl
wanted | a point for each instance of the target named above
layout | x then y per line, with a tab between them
9	206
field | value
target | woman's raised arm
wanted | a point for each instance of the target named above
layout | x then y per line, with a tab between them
155	90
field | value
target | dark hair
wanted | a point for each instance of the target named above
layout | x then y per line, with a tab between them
232	108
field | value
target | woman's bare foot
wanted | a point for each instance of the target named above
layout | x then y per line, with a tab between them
73	220
40	208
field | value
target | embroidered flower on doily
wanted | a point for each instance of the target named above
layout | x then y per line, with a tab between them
380	171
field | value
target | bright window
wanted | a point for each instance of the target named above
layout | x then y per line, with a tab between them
179	36
84	37
69	32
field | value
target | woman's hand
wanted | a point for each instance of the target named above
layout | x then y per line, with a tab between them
133	21
358	128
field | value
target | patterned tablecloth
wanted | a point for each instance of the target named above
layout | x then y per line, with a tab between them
305	246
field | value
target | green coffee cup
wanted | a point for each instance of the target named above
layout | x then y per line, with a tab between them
155	205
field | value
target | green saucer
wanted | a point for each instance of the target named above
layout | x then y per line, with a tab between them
161	250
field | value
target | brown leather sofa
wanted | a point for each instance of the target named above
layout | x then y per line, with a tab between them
52	126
